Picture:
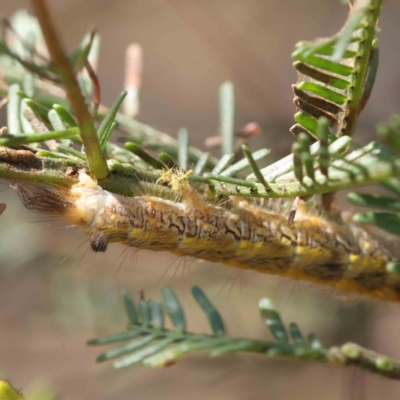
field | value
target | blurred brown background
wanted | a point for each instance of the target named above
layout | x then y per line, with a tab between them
54	294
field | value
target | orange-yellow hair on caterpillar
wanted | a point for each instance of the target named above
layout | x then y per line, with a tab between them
327	251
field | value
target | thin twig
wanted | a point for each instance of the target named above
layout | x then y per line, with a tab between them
292	214
96	161
96	86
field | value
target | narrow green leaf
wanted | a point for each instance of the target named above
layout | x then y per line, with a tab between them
327	65
171	150
72	151
308	162
127	348
201	164
392	184
328	51
16	140
305	49
109	118
157	315
323	133
115	338
304	142
31	118
130	308
244	163
26	125
227	117
273	321
94	52
170	356
351	26
216	322
144	155
122	155
144	309
254	167
325	47
55	120
49	154
13	109
80	55
140	355
298	338
297	165
44	71
65	116
223	163
37	108
174	308
106	137
323	92
373	201
306	158
307	121
183	148
167	160
387	221
29	84
57	124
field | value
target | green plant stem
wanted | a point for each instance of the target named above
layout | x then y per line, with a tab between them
96	161
361	68
348	177
351	354
370	170
25	166
348	355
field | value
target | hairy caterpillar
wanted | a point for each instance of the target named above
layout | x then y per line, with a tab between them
327	251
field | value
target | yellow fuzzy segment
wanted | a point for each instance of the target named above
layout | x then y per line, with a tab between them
340	255
306	256
176	179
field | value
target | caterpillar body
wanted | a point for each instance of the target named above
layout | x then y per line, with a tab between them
330	252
